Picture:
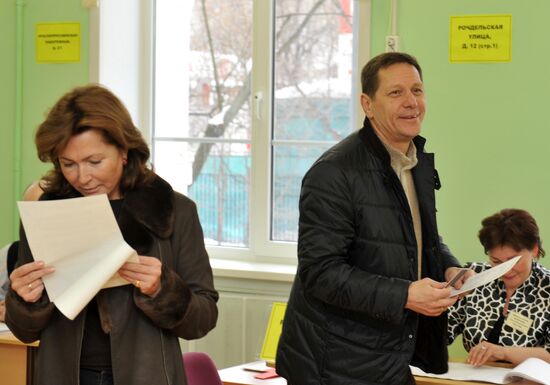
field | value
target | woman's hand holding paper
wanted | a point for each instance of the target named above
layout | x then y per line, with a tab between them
144	275
26	280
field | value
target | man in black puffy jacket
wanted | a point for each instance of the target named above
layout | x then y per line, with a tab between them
369	296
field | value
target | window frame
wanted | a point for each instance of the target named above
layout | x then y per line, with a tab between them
136	88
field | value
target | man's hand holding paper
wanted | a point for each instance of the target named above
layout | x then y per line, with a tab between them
81	239
456	277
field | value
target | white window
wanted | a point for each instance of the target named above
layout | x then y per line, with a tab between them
202	124
246	94
312	98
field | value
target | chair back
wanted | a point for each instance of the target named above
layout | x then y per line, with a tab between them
200	369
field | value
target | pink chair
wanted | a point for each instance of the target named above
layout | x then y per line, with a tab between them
200	369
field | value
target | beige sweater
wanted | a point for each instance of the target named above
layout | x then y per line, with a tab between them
402	164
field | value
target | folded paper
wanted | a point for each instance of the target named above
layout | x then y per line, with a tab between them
81	239
486	276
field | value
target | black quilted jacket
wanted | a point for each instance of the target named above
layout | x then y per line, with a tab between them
345	322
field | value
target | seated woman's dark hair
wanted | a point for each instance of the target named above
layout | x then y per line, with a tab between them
515	228
91	107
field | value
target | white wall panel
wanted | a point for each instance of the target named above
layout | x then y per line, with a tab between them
244	309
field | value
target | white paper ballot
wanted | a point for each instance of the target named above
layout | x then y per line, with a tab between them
466	372
81	239
486	276
532	369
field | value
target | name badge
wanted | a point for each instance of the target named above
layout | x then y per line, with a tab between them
518	322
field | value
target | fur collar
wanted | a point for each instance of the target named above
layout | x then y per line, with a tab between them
147	212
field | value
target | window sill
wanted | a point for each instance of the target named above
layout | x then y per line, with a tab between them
253	270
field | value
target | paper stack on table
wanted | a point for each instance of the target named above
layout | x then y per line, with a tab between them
532	369
81	239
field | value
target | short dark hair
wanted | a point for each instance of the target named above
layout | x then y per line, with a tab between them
510	227
369	73
91	107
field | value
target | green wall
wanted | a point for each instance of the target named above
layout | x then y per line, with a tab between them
42	85
486	123
7	119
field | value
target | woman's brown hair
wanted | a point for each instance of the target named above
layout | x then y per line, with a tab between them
510	227
91	107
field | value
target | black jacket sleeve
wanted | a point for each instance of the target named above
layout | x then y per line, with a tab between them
326	233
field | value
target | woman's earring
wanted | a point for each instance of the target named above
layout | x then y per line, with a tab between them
124	161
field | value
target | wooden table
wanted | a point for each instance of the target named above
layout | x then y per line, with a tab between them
16	360
236	375
439	381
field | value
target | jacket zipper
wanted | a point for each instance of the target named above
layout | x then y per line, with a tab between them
80	346
160	330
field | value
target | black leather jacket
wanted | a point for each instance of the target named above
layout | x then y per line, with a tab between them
346	321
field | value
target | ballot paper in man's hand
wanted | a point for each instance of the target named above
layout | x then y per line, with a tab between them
81	239
486	276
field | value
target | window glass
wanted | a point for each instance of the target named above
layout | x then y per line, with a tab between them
312	103
202	120
202	129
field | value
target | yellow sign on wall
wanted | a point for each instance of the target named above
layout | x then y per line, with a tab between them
57	42
273	332
480	38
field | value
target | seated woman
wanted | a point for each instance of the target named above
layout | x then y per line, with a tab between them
508	319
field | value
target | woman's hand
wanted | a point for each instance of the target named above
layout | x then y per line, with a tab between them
485	352
26	280
144	275
2	311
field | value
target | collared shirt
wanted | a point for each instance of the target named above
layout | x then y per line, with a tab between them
402	164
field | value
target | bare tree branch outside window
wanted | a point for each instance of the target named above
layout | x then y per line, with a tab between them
311	101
